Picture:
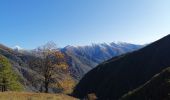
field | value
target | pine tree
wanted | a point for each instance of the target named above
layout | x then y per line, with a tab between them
9	81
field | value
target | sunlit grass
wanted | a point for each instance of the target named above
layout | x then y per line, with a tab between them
33	96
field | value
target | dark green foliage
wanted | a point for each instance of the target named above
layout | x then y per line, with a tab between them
8	79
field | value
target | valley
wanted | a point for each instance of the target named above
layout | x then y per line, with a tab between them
84	50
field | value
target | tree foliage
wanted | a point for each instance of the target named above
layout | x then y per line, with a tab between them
8	79
49	62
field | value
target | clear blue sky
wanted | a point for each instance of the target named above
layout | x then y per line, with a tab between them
31	23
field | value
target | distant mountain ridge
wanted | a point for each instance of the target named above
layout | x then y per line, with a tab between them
84	58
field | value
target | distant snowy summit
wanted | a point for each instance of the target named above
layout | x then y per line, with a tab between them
17	47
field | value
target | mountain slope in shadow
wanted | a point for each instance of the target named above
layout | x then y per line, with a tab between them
117	76
158	88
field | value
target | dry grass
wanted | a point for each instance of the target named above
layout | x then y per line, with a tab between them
33	96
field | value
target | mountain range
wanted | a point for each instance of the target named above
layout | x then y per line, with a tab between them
84	58
80	59
113	78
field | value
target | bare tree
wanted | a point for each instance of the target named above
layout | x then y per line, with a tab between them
49	62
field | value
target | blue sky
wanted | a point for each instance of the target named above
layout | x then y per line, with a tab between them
31	23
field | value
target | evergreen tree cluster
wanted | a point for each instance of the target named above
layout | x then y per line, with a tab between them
9	81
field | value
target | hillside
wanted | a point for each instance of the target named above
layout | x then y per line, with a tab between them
30	77
19	65
33	96
158	88
117	76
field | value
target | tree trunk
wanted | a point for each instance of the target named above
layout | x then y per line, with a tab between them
5	89
46	87
41	89
2	88
4	85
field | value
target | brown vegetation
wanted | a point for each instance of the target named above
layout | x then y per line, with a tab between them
33	96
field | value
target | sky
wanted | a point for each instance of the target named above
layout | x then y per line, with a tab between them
32	23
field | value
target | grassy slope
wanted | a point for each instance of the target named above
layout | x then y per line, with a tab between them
158	88
33	96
